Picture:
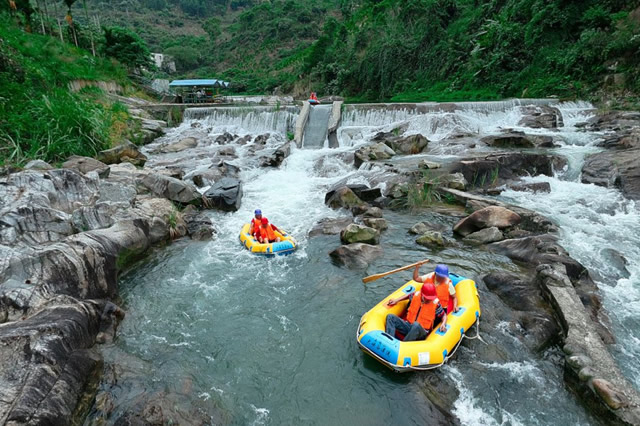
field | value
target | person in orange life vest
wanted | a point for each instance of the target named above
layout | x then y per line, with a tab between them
267	234
313	97
424	310
254	227
444	287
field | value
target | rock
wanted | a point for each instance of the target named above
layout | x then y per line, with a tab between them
495	169
181	145
330	226
215	172
518	140
620	169
199	226
413	144
127	152
38	165
396	132
454	180
423	227
357	255
484	236
342	197
609	394
171	189
244	140
614	120
492	216
278	156
541	116
354	233
85	165
365	193
431	239
261	139
151	130
373	212
426	164
376	223
117	193
616	266
514	292
375	152
532	187
225	195
227	137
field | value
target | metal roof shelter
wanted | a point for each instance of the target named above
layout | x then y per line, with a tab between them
200	83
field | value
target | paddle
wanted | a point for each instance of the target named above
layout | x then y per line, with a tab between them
384	274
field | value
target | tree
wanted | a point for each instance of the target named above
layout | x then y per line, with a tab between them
69	19
212	27
126	46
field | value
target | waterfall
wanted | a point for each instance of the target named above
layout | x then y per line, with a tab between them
245	119
315	132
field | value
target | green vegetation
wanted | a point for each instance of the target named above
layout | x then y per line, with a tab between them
126	46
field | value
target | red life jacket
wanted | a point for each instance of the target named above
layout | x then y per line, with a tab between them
424	313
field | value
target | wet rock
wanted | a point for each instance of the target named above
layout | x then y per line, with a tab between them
38	165
541	116
171	189
492	216
225	195
613	397
117	192
85	165
426	164
413	144
454	180
357	255
342	197
518	140
442	392
181	145
330	226
423	227
225	138
365	193
127	152
431	239
33	224
515	292
614	120
151	130
376	223
199	225
531	187
376	152
354	233
261	139
367	211
278	156
244	140
616	266
227	151
484	236
396	132
620	169
215	172
540	328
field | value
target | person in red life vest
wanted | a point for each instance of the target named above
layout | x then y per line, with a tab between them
313	97
267	234
424	310
444	287
254	227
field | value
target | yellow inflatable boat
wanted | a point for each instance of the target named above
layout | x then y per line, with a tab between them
286	245
423	354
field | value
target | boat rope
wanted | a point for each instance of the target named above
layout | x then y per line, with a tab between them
432	367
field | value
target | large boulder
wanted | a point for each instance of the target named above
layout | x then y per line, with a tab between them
485	236
38	165
330	226
86	164
431	239
171	188
225	195
342	197
277	157
518	140
199	225
492	216
620	169
357	255
376	223
127	152
214	173
413	144
354	233
375	152
181	145
541	116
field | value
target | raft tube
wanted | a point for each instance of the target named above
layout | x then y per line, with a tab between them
287	244
313	102
423	354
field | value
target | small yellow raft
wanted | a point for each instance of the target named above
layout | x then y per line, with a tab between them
286	245
423	354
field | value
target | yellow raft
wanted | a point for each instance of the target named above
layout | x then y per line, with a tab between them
423	354
286	245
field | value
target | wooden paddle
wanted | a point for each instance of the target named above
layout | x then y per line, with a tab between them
384	274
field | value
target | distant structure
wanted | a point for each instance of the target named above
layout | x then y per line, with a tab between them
198	91
164	62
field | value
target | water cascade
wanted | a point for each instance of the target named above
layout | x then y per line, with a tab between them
315	132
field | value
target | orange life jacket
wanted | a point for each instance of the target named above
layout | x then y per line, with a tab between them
267	232
424	313
442	290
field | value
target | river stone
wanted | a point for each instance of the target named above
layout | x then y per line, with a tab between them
34	224
227	137
378	151
518	140
38	165
181	145
376	223
532	187
431	239
413	144
394	133
365	193
541	116
357	255
484	236
330	226
225	195
422	227
342	197
492	216
278	156
86	164
117	192
199	225
354	233
516	293
426	164
616	266
127	152
373	212
171	188
620	169
609	394
454	180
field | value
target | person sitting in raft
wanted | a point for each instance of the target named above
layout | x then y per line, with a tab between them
314	98
267	234
254	227
423	312
444	287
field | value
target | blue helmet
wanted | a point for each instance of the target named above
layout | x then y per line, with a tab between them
258	212
442	271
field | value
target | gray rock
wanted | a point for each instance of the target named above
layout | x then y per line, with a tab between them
171	189
199	226
454	180
620	169
278	156
85	165
541	116
426	164
354	233
342	197
127	152
484	236
518	140
225	195
492	216
117	192
431	239
181	145
38	165
413	144
356	256
226	138
330	226
375	152
376	223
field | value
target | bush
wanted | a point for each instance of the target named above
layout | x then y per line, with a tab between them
126	46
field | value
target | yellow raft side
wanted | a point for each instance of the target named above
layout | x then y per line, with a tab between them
405	356
286	245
